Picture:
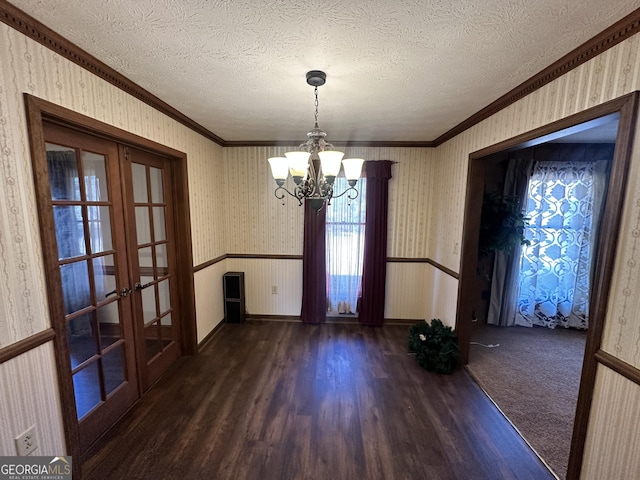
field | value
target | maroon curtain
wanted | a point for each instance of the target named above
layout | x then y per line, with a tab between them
374	271
314	269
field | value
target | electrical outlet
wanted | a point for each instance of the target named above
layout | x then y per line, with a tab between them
27	442
274	289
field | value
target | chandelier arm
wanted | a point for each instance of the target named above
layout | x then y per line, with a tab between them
330	197
351	191
280	194
300	193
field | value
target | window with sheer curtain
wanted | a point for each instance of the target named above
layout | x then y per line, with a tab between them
555	269
345	227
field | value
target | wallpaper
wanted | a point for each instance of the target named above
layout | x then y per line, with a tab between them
32	68
613	443
258	223
622	332
23	300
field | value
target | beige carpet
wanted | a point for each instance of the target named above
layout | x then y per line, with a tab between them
533	376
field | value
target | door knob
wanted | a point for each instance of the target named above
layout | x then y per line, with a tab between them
139	286
123	293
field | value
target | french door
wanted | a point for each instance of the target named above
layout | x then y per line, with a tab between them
112	212
147	179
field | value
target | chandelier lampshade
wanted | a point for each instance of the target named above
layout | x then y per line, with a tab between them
352	169
330	162
298	165
279	169
312	183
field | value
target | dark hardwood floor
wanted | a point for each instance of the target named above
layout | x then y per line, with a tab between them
276	400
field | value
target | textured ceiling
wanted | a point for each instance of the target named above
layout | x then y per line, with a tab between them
396	70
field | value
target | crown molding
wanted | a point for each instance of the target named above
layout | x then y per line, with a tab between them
338	143
616	33
29	26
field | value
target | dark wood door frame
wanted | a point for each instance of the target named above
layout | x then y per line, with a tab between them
607	244
38	111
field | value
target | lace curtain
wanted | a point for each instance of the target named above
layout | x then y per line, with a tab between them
555	269
345	226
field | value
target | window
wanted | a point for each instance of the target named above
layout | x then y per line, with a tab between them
344	232
555	268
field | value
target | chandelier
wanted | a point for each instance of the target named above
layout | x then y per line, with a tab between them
315	166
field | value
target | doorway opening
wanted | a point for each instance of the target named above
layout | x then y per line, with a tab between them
479	175
528	339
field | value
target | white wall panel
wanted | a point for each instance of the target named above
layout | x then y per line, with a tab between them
414	290
260	275
441	290
406	299
29	388
209	298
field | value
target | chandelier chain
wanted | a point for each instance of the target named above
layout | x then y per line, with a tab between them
315	90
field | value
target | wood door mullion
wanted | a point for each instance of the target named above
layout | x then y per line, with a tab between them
131	240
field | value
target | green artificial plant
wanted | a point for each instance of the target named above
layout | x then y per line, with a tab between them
502	224
435	346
